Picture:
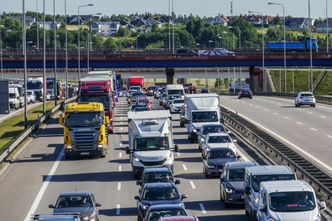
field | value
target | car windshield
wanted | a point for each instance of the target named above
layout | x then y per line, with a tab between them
74	201
49	85
175	92
292	201
105	100
235	174
12	95
217	154
156	215
164	193
135	88
84	119
177	101
151	143
213	129
257	179
219	139
159	177
34	85
206	116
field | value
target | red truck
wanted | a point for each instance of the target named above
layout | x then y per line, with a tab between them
135	81
98	90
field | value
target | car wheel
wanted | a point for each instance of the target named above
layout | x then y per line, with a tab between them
314	105
139	218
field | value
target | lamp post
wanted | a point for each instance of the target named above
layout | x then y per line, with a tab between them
89	41
169	25
55	56
37	26
263	49
327	27
25	65
283	12
173	42
310	43
66	48
44	61
1	47
78	38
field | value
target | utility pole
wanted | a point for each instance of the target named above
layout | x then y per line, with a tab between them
55	57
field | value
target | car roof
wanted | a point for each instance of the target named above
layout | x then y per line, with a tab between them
166	206
76	193
159	185
286	186
179	218
269	169
239	164
221	134
156	169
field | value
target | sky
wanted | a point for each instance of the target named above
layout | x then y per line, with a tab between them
295	8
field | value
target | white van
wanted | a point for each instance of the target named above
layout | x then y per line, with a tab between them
14	97
252	179
174	91
288	201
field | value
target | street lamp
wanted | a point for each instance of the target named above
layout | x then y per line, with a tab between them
310	43
66	48
1	62
55	89
25	65
44	61
89	41
263	50
78	38
327	27
283	12
37	25
239	36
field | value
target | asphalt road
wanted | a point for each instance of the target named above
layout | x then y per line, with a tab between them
14	112
307	130
39	174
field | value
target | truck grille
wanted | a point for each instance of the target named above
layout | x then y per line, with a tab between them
85	140
153	163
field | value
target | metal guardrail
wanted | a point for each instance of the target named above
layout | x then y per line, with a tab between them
281	154
11	146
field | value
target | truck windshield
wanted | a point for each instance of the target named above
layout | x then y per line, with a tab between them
256	180
34	85
105	100
206	116
84	119
151	143
292	201
175	92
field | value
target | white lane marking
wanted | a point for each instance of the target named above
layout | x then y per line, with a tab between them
275	113
178	153
121	118
120	168
287	118
328	168
118	208
119	186
120	154
309	112
250	104
192	184
43	188
121	128
120	144
330	136
201	205
184	167
314	129
299	123
258	106
266	109
321	116
271	102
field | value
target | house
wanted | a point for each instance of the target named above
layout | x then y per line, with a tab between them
152	21
73	20
49	25
321	26
296	24
106	28
219	20
29	20
256	20
139	24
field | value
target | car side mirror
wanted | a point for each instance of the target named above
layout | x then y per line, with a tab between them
137	198
51	206
97	205
107	120
322	205
138	182
127	150
247	190
184	196
61	119
176	148
177	182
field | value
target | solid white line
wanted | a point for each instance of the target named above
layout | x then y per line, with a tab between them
43	188
119	186
330	136
321	116
118	208
120	154
201	205
298	122
314	129
287	118
275	113
258	106
120	168
328	168
192	184
184	167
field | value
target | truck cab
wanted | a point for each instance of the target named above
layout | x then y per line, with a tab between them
150	140
85	129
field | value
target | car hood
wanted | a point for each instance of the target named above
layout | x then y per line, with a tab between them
83	211
221	161
157	155
236	185
158	202
294	216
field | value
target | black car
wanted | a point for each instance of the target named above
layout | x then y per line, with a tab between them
186	52
245	92
82	203
156	194
155	212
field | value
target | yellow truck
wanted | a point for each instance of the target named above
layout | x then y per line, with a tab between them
85	129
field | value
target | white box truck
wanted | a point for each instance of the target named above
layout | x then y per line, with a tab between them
150	140
201	109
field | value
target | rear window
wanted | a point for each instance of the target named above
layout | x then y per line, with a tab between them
307	94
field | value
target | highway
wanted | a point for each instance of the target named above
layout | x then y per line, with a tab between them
307	130
39	174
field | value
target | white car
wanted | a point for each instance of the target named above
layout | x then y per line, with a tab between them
305	98
216	140
176	105
31	96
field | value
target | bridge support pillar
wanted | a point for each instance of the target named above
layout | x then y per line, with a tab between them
170	75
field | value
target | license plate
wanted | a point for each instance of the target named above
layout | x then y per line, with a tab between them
85	153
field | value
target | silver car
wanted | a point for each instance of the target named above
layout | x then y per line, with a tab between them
213	140
176	105
209	128
305	98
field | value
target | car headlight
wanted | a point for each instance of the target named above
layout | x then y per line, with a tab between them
229	190
69	147
136	159
100	145
169	157
194	130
